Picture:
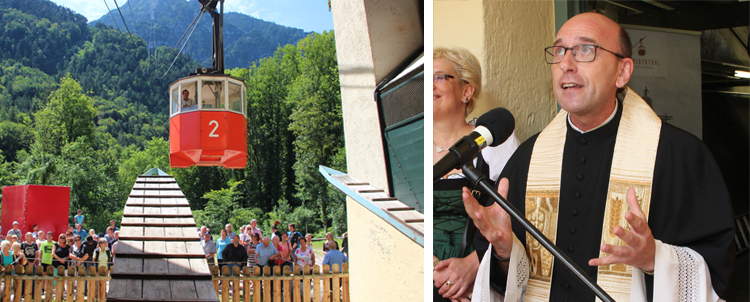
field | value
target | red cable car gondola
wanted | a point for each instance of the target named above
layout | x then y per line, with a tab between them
208	114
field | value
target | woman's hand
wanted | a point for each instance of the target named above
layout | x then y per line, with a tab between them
461	273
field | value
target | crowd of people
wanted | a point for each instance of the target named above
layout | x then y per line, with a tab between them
251	248
74	248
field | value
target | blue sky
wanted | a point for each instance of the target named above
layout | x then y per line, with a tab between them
309	15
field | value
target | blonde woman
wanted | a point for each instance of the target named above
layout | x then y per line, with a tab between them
456	88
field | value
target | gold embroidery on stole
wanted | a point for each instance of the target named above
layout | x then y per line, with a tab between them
632	166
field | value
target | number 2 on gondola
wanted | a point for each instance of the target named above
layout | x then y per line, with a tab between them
216	126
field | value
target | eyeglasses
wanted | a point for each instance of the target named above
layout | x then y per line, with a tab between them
581	53
440	78
78	239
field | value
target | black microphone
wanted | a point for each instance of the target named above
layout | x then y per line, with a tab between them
493	128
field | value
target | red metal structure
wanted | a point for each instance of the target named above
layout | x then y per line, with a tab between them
208	120
45	206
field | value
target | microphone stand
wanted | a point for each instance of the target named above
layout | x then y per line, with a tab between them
479	181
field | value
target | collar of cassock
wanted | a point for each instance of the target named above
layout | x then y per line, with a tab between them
611	117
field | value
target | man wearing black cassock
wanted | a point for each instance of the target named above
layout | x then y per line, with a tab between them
679	247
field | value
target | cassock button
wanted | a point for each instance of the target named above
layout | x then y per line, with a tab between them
579	176
574	212
572	230
583	160
578	194
571	249
583	141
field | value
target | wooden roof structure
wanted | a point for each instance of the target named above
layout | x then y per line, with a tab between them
403	217
159	256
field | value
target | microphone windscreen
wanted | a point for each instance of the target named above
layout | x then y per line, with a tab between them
500	122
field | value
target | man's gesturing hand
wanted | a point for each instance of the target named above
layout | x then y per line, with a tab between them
640	250
492	221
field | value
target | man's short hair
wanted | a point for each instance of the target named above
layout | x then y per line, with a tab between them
293	225
626	47
186	91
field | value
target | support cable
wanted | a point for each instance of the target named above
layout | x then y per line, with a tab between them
125	23
113	16
183	46
183	35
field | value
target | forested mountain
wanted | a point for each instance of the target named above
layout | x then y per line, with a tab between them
87	107
162	23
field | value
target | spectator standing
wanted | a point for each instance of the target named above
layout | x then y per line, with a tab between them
7	255
79	218
112	224
39	239
31	249
245	238
88	251
15	230
110	237
35	231
266	253
209	248
234	254
230	233
254	241
220	244
18	256
285	249
334	256
329	238
80	231
304	254
60	254
294	236
102	254
254	228
47	248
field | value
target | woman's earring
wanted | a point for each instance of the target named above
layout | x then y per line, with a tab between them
466	100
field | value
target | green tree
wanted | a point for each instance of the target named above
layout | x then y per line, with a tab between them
220	207
317	123
68	115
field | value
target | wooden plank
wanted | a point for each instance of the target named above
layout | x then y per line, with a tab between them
147	255
131	231
194	247
172	210
152	215
154	220
156	266
176	247
184	290
408	216
155	247
128	266
179	266
316	283
152	200
123	289
173	220
348	180
205	291
184	210
419	226
153	231
134	200
188	220
147	211
393	205
199	266
173	232
133	210
161	224
131	220
157	290
187	232
375	195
